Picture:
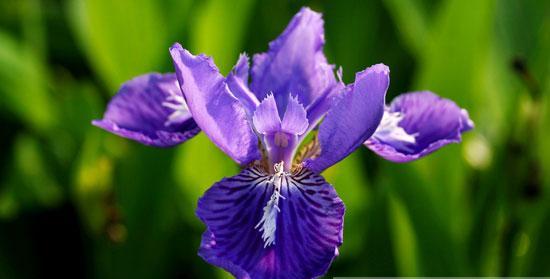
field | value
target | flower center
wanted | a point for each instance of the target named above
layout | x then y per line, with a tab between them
281	139
280	135
268	223
180	111
390	132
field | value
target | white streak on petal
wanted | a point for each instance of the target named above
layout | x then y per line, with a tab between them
389	131
268	223
180	111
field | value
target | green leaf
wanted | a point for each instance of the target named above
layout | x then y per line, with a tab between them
435	209
30	183
405	246
23	85
218	30
121	39
198	165
93	181
411	23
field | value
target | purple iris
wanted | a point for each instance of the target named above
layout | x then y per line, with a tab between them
279	218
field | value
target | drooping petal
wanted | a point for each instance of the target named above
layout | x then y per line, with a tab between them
433	121
215	109
149	109
295	62
308	226
295	119
266	117
352	118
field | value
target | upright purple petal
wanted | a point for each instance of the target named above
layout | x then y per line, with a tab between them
215	109
149	109
237	80
433	121
353	117
308	229
241	69
295	119
318	108
266	117
295	63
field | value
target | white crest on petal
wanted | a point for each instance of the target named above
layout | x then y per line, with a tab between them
180	110
389	131
268	223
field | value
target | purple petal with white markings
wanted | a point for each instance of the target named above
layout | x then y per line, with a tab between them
434	122
150	109
308	226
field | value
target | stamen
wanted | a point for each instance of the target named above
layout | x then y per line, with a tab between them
176	103
268	223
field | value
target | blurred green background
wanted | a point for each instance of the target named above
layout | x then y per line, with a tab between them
77	201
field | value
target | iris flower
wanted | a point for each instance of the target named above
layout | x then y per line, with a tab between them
279	218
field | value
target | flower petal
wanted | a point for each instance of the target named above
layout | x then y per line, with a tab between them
295	119
241	69
215	109
307	236
237	80
295	63
266	117
352	118
317	109
433	120
149	109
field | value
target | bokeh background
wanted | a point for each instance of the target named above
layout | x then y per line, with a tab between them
76	201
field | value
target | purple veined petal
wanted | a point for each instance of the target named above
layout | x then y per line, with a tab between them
215	109
149	109
295	118
352	118
237	80
308	225
295	63
433	121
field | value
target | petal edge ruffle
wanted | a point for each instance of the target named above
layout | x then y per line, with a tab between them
295	63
